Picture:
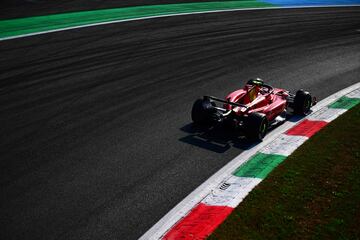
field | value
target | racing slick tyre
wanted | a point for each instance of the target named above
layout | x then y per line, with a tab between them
302	102
203	112
256	126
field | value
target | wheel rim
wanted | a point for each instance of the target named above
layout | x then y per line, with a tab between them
262	129
307	106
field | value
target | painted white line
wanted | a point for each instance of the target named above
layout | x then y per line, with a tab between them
335	96
284	145
170	15
181	209
327	114
354	94
231	192
225	173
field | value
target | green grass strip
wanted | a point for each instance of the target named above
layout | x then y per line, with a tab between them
259	165
22	26
313	194
345	103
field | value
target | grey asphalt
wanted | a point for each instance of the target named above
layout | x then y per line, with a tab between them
96	139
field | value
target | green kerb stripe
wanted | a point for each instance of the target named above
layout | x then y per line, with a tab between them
22	26
259	165
345	103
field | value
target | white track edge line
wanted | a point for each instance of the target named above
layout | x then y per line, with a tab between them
182	208
172	15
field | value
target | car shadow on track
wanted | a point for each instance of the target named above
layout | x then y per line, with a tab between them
217	139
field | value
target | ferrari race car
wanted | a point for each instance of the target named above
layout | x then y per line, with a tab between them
254	109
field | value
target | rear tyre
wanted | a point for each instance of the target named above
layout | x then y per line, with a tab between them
256	126
202	112
302	102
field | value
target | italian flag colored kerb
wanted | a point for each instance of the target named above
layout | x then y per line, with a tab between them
208	214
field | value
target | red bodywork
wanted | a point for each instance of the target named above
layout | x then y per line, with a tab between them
271	102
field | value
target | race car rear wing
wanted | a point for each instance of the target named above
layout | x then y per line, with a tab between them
225	101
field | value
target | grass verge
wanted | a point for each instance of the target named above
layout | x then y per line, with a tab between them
30	25
313	194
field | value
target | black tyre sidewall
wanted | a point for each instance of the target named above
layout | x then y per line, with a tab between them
302	102
255	122
201	111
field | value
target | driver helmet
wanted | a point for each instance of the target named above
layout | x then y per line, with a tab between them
253	86
255	81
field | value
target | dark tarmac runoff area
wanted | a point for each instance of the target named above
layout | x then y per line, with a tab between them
96	139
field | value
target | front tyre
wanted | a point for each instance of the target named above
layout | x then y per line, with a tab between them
256	126
302	102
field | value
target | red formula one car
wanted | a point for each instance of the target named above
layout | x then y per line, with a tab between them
253	109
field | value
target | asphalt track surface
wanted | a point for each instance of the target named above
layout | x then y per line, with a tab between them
96	139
